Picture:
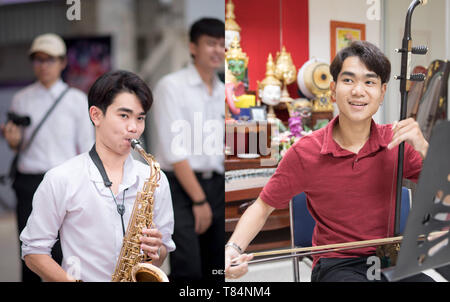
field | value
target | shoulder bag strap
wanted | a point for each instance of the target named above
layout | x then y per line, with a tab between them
13	168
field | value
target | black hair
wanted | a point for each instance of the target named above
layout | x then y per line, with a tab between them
107	86
369	54
206	26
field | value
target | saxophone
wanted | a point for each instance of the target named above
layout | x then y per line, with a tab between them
132	265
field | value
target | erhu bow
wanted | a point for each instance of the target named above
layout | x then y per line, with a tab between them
323	249
405	82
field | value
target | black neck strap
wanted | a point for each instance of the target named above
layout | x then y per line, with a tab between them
98	162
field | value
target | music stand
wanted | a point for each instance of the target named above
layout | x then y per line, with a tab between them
430	212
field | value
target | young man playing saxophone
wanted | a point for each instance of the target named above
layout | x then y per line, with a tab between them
75	200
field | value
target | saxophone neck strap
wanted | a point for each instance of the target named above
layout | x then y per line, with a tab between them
98	162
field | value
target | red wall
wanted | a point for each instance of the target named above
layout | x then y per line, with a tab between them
260	34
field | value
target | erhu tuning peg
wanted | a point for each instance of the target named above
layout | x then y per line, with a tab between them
419	50
418	77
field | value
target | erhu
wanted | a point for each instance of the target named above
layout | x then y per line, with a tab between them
405	78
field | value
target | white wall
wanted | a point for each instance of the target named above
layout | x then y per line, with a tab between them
447	42
429	27
115	18
195	9
321	12
447	28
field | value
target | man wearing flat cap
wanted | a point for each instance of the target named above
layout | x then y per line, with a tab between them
59	127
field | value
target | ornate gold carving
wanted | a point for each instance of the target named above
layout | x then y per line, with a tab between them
230	18
235	52
270	78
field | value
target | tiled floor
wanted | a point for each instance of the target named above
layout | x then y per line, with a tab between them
276	271
282	271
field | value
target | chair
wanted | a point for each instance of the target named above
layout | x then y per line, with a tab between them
302	224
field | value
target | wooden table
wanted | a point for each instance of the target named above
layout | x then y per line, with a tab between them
276	231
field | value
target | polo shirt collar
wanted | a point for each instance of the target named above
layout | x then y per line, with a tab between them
330	146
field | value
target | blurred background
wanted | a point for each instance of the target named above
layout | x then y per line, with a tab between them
289	45
148	37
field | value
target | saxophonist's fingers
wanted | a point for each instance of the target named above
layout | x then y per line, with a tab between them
151	241
151	251
151	233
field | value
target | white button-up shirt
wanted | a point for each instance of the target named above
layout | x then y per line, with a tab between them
66	133
73	200
186	122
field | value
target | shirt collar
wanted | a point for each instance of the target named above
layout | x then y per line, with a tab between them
193	75
375	142
55	90
129	178
195	79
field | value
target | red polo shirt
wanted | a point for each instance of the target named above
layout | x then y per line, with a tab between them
350	196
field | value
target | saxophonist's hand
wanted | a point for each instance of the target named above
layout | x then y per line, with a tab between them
151	243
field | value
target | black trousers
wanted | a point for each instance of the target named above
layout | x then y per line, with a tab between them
24	186
198	257
444	271
352	270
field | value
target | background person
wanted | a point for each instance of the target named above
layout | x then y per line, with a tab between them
65	133
194	95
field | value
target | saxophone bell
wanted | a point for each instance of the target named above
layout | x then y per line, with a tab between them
147	272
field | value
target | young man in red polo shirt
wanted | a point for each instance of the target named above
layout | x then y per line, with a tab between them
347	170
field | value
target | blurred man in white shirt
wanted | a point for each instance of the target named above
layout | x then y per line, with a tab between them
187	134
66	132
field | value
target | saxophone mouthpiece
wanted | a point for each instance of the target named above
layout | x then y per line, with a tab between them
423	2
134	143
